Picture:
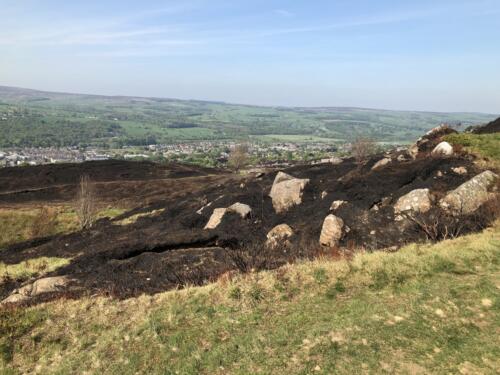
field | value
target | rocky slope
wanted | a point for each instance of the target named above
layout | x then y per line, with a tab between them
429	191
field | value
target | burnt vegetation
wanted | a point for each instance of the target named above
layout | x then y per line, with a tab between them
166	245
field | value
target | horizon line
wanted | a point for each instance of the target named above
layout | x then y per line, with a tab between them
242	104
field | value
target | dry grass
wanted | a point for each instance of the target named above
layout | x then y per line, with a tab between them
31	268
132	219
428	309
22	224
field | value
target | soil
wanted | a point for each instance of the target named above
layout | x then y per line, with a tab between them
170	248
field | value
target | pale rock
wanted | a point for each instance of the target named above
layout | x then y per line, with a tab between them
241	209
15	298
48	284
459	170
287	191
469	196
336	205
443	149
279	235
418	200
381	163
40	286
323	194
216	218
331	232
200	211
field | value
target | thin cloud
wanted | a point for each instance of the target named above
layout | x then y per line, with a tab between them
283	13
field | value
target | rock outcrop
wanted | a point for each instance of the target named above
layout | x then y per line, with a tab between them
418	201
429	141
443	149
286	191
469	196
332	231
381	163
279	235
241	209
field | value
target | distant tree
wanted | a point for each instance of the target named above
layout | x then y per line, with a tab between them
362	148
239	156
85	202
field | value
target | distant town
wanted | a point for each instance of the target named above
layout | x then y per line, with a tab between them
209	153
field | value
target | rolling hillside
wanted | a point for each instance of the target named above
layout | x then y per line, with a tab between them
36	118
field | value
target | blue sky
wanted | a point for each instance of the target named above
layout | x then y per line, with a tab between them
439	55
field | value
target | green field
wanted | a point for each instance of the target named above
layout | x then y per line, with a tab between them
33	118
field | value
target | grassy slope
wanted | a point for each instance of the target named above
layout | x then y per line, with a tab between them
425	309
16	224
61	119
487	145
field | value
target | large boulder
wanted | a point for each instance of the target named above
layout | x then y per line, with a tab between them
287	191
418	200
241	209
279	235
381	163
443	149
469	196
332	231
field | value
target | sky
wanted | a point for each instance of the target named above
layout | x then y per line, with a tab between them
428	55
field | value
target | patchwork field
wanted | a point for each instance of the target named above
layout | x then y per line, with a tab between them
35	118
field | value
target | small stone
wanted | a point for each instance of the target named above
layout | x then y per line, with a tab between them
336	205
459	170
381	163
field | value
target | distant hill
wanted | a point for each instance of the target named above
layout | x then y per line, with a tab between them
38	118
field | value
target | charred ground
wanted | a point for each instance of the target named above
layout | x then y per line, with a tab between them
166	245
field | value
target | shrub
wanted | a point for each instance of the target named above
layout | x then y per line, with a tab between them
362	148
44	223
239	156
85	203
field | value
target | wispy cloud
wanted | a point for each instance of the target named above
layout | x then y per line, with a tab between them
283	13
